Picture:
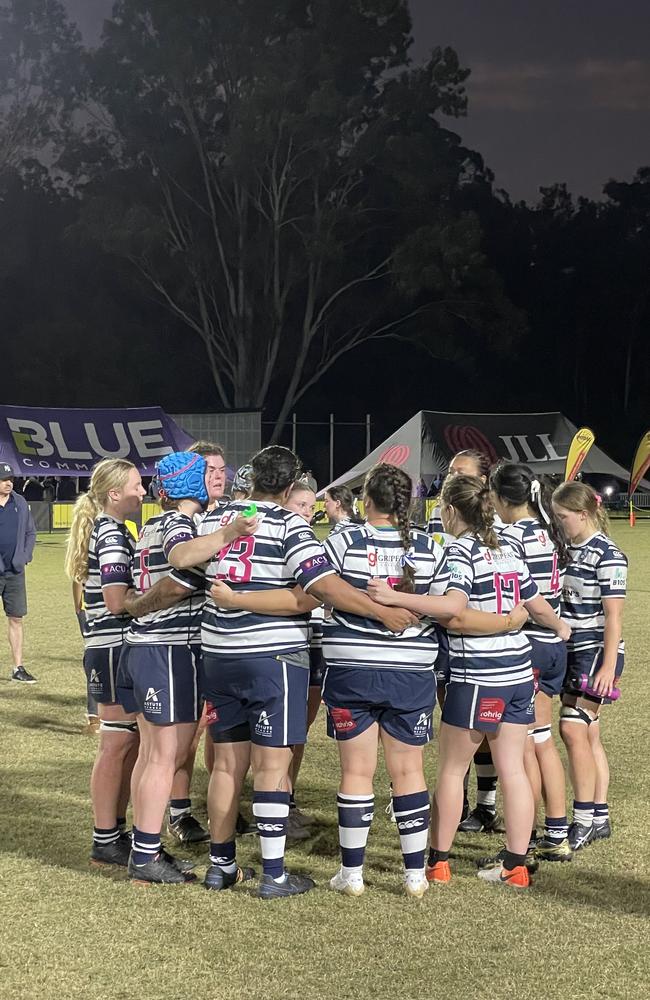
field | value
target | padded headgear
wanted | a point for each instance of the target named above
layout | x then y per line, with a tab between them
243	481
181	476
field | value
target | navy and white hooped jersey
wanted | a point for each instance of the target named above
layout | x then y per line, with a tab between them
316	624
494	580
343	525
532	543
179	625
362	553
283	552
597	569
110	558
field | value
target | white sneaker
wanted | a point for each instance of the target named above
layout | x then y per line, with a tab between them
415	884
351	885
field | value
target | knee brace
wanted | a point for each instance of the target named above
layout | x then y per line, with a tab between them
118	727
573	713
542	733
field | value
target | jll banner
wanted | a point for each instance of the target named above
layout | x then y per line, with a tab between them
42	442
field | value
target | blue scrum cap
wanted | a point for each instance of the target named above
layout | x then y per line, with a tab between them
181	476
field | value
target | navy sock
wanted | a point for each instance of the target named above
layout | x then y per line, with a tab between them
105	837
355	816
178	808
224	855
271	810
412	817
145	846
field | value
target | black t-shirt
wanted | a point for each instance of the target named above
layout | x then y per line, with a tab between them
8	533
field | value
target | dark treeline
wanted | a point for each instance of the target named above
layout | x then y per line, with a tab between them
235	204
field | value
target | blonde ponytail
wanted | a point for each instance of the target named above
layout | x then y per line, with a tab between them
109	474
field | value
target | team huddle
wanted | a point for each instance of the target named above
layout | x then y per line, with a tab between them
229	616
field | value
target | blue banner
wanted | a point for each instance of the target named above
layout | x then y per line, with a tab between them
46	442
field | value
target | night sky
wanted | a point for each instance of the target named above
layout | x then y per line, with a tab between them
559	91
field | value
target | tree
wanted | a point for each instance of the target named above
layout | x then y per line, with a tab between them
39	76
281	182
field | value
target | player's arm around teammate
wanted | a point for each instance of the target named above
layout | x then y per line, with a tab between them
523	503
99	556
491	684
593	597
158	674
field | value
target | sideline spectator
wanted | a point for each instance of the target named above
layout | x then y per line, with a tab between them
17	539
33	489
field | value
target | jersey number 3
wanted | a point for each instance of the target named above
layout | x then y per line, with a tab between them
506	584
242	551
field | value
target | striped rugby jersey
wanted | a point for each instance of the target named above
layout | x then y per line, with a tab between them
597	570
494	580
342	525
362	553
532	543
316	623
110	559
283	552
179	625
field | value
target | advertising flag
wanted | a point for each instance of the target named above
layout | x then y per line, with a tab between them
578	451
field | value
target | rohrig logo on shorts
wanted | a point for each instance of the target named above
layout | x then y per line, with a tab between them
342	719
152	702
491	710
263	727
94	683
421	727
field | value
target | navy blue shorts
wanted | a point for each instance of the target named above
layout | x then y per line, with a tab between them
101	673
316	666
549	665
442	666
258	698
400	701
475	706
588	661
160	682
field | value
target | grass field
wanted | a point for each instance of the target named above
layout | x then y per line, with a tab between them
71	931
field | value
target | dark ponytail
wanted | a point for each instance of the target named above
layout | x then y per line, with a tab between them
275	469
471	498
345	496
390	490
518	485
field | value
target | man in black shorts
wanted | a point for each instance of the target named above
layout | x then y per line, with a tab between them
17	538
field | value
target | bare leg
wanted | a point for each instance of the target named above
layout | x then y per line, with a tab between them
549	761
231	763
106	781
162	747
601	762
456	749
15	633
582	766
507	746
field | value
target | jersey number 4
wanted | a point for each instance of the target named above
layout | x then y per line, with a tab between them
506	584
242	551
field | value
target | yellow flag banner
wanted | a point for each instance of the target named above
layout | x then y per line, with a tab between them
641	463
578	451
